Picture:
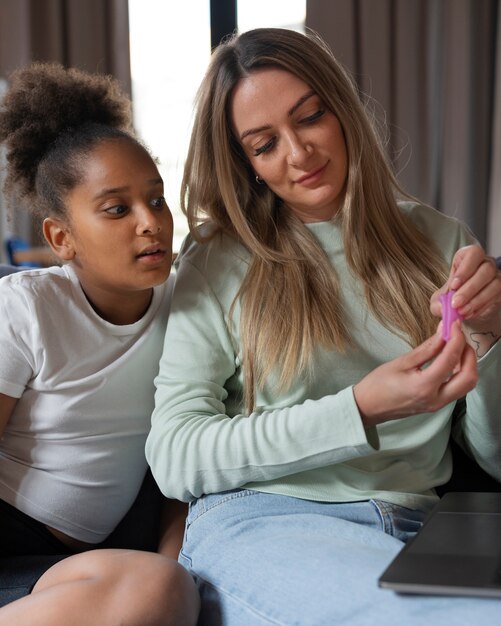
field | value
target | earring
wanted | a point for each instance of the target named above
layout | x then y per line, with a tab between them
259	181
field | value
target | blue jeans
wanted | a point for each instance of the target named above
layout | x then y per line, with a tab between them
267	559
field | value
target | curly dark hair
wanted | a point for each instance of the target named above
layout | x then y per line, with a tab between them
50	118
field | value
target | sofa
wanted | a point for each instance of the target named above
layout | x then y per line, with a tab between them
9	269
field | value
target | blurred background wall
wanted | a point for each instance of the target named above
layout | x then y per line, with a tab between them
434	69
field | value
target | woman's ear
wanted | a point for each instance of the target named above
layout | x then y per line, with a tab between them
59	238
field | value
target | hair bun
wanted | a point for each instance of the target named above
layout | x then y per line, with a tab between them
45	100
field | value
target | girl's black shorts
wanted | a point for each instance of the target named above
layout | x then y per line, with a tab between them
28	549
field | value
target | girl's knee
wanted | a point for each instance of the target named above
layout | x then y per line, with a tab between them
143	587
158	583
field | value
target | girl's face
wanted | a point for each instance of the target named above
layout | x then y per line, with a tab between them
293	142
119	232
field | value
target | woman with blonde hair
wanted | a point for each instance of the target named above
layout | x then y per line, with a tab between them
305	397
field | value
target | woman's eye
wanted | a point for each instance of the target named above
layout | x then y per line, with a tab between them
158	203
117	210
312	118
265	147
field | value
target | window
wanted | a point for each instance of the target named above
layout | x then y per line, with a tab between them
170	49
273	13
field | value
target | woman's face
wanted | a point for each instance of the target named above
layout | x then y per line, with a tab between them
293	142
120	227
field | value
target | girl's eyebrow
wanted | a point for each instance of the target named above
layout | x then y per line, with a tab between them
108	192
294	107
117	190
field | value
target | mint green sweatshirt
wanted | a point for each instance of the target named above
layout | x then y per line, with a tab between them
308	442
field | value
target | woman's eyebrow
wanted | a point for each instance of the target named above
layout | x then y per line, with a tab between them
301	101
294	107
253	131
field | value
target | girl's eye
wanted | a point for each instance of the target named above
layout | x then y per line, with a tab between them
158	203
313	118
265	147
117	211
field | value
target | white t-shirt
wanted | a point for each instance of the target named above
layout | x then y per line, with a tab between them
72	454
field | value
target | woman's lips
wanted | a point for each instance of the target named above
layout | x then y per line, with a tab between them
311	177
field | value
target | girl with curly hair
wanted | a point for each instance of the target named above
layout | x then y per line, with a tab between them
80	345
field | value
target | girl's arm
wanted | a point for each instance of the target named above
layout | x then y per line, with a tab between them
7	404
172	528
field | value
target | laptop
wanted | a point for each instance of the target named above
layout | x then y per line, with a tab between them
456	552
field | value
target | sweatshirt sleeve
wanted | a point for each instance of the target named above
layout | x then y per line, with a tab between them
479	430
195	447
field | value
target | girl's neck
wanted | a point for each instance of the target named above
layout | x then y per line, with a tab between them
123	311
120	308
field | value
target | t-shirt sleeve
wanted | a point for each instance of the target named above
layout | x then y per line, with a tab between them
16	331
194	447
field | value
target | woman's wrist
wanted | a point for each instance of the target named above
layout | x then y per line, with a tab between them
482	335
363	408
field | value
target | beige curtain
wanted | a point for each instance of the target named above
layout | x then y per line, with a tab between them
494	217
89	34
429	65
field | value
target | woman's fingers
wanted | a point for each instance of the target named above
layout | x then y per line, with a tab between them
449	357
477	284
422	354
464	265
435	304
486	303
481	291
432	384
470	271
462	381
421	381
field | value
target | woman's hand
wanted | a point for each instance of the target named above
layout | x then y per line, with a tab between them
477	283
404	387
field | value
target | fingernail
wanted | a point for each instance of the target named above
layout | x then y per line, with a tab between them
457	301
457	323
456	283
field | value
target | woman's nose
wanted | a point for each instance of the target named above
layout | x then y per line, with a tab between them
299	150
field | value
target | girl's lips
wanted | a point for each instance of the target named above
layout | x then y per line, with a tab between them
153	248
155	256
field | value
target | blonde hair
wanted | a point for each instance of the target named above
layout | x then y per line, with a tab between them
290	295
